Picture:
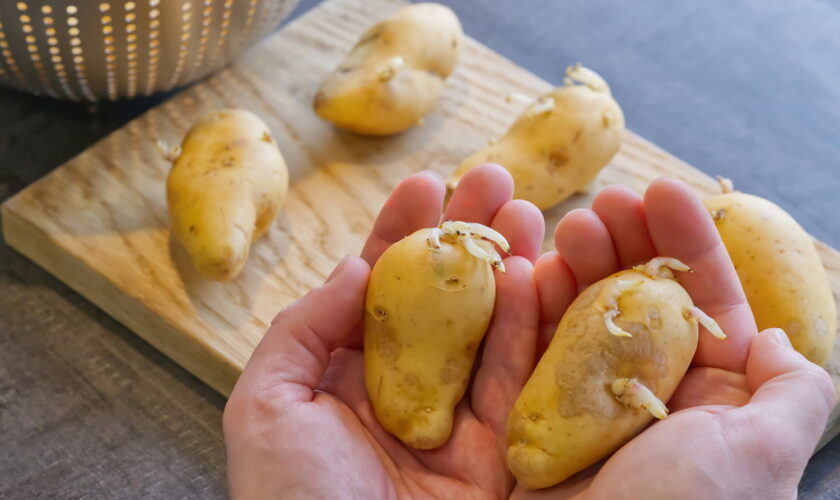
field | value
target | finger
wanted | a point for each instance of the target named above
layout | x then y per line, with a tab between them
509	345
414	204
290	360
557	289
621	210
778	375
680	227
792	396
523	226
584	243
480	194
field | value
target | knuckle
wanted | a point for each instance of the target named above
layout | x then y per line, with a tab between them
258	403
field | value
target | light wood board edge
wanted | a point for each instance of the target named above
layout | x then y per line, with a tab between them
98	289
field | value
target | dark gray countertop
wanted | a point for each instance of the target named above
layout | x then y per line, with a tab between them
749	89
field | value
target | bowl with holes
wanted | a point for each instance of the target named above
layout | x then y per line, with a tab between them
109	49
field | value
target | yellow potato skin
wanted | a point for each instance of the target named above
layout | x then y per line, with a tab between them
566	418
225	189
780	270
426	312
428	37
553	155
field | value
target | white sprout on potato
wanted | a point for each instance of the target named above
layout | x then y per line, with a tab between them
391	67
543	105
477	251
169	154
609	322
538	106
487	233
632	393
608	303
726	185
516	97
608	119
659	267
465	232
581	74
434	238
707	321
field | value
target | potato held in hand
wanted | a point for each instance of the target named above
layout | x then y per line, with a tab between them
395	73
559	143
780	270
621	349
429	301
225	190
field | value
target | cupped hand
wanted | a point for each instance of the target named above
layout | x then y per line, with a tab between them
298	423
750	410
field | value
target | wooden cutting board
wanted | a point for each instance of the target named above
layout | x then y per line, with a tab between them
99	222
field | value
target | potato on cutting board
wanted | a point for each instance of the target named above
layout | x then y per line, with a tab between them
225	189
559	143
396	72
780	269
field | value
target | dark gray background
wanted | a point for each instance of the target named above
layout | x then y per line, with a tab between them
747	88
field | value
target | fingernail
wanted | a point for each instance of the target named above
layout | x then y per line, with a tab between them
781	338
337	269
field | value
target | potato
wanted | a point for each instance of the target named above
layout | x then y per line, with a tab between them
780	270
621	349
558	144
395	73
225	190
429	301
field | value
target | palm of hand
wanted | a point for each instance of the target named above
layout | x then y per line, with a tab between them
309	428
363	459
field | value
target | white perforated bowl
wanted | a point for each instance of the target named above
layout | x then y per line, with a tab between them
108	49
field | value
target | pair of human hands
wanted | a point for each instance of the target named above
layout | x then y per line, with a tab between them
743	422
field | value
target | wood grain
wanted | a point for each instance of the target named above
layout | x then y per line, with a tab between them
99	222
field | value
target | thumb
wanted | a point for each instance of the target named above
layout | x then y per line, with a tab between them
295	351
791	394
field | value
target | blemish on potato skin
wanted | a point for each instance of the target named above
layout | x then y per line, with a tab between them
557	160
424	443
384	339
653	317
450	372
411	379
380	313
638	357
